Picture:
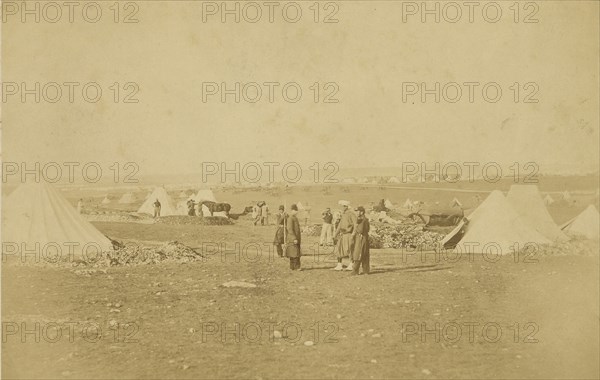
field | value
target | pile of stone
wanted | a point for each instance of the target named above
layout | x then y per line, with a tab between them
405	235
137	254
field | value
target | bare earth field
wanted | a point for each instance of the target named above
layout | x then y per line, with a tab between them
417	315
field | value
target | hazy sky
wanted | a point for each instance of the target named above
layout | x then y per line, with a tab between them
369	54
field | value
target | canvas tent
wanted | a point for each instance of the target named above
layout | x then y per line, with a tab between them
408	203
393	180
38	213
494	227
566	195
166	204
586	224
455	203
528	203
105	201
204	195
128	198
548	200
388	204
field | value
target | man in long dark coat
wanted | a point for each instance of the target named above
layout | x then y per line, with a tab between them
293	239
360	253
279	240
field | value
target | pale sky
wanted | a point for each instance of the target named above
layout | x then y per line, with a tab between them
369	53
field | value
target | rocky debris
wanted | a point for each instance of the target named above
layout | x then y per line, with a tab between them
405	235
312	230
186	219
576	246
136	254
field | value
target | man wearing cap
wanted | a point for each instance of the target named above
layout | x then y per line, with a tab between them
344	234
327	228
360	253
292	244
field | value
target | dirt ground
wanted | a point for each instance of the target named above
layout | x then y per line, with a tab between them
417	315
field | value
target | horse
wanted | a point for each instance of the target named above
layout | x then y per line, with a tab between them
216	207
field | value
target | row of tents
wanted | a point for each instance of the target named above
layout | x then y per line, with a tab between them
168	207
38	213
130	197
510	223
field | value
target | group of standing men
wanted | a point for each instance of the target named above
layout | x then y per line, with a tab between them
347	232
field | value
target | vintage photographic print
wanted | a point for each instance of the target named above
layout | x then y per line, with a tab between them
308	189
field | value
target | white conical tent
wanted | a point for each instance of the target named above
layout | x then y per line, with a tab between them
528	203
106	200
166	204
128	198
182	208
455	203
205	195
408	203
388	203
38	213
494	227
393	180
586	224
566	195
548	200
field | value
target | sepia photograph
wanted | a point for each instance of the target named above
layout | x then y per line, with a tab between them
308	189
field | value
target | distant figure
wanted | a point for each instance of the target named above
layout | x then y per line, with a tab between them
279	234
360	253
156	209
191	207
292	244
264	214
80	205
306	214
327	228
258	216
337	216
